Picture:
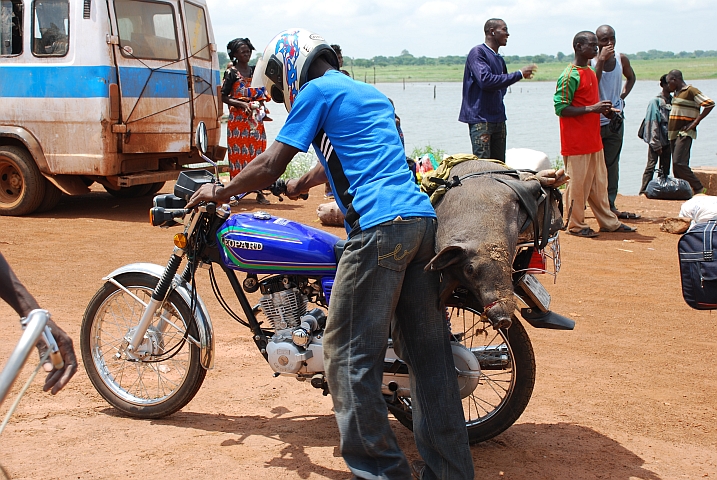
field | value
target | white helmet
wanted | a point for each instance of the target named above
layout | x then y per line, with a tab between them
284	66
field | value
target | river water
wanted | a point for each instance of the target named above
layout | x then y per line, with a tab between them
531	122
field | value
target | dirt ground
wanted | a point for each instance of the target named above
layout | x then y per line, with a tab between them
631	393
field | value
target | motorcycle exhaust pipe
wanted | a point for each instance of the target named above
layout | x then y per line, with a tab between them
394	388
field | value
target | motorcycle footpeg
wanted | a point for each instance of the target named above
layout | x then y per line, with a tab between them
548	319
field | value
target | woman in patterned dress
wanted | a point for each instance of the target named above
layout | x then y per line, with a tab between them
246	137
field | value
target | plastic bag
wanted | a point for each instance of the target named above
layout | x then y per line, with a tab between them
669	188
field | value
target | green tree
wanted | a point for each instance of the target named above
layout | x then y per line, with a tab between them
223	60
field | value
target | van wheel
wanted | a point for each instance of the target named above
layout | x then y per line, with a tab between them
51	198
130	192
22	186
156	187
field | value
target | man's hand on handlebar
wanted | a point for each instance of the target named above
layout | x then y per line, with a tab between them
293	191
57	379
209	192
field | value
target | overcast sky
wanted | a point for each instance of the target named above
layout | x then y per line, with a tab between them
366	28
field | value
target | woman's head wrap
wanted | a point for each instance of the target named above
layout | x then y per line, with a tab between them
236	43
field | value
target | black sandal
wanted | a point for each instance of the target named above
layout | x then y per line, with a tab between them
585	232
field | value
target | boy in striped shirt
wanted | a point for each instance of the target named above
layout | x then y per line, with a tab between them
689	108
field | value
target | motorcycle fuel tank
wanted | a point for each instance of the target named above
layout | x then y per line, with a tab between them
263	244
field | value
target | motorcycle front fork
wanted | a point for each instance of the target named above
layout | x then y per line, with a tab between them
135	338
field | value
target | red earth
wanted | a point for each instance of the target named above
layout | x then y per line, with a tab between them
631	393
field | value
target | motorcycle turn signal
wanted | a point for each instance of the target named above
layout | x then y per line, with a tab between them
161	217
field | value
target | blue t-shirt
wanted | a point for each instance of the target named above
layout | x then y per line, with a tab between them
353	129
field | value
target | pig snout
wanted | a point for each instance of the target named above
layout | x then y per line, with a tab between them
494	285
500	312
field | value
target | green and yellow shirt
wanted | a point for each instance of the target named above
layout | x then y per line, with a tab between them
686	106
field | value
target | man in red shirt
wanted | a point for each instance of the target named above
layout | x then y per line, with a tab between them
578	106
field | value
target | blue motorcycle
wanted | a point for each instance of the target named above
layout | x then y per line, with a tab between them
147	339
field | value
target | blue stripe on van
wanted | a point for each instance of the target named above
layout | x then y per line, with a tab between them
56	81
165	83
92	82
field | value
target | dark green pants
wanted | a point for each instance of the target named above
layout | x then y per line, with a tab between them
612	145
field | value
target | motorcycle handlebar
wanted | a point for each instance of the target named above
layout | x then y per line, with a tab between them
278	189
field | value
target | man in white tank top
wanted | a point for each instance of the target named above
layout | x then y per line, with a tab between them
610	66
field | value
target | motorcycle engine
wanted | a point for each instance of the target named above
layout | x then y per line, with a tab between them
296	340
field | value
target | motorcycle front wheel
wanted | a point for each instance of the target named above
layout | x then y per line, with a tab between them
507	375
164	373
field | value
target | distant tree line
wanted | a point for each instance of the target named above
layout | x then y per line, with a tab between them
407	59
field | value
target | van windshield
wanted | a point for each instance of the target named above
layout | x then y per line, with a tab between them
147	30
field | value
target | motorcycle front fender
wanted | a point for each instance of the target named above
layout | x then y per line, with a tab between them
184	289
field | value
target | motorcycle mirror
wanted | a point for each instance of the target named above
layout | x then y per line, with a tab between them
201	142
201	138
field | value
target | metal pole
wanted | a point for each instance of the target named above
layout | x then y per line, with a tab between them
35	325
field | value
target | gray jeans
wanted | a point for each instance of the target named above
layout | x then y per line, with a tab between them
381	287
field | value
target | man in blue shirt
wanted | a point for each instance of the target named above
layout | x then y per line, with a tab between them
380	283
485	82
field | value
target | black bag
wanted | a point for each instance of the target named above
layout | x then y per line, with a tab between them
669	188
698	266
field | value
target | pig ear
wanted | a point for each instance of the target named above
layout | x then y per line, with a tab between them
447	257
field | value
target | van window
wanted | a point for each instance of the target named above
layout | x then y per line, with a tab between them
10	27
147	30
50	28
197	32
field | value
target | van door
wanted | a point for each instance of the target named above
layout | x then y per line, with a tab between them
203	69
152	76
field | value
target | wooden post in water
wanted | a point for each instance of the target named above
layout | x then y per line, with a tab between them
434	92
374	74
364	77
404	83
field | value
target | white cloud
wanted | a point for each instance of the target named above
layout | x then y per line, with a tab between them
366	28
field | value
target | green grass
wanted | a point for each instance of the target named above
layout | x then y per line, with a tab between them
692	69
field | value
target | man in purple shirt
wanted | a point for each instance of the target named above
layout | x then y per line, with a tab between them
485	82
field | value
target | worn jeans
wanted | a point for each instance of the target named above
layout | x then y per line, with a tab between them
381	288
488	140
612	146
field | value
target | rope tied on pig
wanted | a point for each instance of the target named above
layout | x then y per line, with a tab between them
438	184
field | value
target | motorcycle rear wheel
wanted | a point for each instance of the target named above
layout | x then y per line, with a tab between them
507	375
150	385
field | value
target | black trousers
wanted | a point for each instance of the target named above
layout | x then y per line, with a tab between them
681	162
663	156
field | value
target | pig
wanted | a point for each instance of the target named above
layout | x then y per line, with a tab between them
479	223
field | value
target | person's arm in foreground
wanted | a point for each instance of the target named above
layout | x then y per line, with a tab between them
17	296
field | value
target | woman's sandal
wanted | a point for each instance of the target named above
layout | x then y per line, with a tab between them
585	232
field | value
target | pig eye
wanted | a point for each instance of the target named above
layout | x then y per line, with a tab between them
469	269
